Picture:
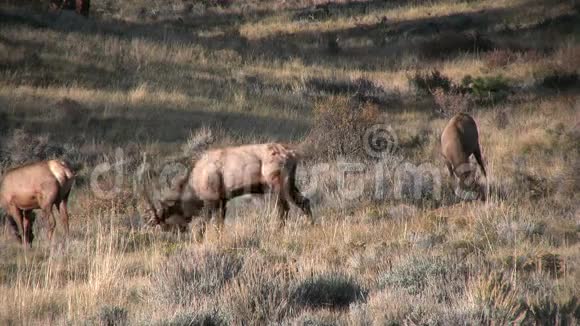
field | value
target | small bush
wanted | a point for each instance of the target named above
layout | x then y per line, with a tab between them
547	311
197	318
497	301
428	82
541	262
500	58
413	275
112	316
531	185
195	273
395	307
339	126
327	291
258	295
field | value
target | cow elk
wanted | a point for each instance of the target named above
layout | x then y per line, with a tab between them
459	140
223	174
39	185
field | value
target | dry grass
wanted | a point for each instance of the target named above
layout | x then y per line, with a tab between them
169	79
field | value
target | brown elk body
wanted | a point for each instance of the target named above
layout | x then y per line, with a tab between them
39	185
222	174
459	140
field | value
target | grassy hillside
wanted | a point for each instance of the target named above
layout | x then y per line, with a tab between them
393	244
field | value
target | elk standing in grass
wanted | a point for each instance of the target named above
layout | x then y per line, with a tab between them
39	185
459	140
222	174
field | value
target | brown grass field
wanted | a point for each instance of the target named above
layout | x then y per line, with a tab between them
392	245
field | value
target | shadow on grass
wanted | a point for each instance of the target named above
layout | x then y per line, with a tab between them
146	123
368	46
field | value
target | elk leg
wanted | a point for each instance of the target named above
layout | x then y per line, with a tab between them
205	219
50	221
27	222
63	212
201	231
46	201
449	168
14	227
16	213
221	215
302	202
283	209
296	197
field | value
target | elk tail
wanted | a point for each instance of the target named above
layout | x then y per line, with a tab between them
60	171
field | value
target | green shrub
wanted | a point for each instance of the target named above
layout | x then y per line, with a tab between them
486	90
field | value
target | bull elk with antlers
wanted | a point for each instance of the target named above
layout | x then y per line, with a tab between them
41	185
222	174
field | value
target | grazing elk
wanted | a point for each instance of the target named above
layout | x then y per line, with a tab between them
459	140
222	174
39	185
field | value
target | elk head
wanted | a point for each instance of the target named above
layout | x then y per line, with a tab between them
175	207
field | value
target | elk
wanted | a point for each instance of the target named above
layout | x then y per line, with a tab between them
223	174
459	140
41	185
